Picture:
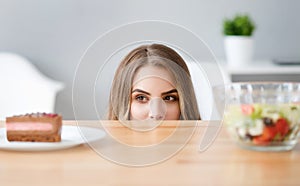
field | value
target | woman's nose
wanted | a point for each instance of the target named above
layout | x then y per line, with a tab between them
157	109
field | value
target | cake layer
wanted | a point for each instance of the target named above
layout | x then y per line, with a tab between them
35	138
29	126
38	117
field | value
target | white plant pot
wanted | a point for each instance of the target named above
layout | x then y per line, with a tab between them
239	50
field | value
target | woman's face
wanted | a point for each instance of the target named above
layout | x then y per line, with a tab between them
153	95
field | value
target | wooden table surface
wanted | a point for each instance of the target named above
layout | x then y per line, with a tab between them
222	163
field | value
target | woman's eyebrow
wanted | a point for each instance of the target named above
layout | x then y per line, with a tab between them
142	91
169	92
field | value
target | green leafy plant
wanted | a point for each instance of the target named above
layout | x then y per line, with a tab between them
239	25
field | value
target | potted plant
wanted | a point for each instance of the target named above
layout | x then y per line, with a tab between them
238	41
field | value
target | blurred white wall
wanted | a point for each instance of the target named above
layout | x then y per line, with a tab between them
54	34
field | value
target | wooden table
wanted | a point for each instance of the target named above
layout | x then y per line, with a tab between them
223	163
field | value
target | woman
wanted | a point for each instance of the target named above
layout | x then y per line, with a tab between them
152	82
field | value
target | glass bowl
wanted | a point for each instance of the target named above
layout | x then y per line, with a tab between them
263	116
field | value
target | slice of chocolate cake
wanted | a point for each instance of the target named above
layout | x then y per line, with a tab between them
35	127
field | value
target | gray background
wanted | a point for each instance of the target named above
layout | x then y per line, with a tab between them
54	34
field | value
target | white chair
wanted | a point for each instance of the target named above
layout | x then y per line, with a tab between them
23	89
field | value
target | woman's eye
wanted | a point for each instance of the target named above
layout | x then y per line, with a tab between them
170	98
141	98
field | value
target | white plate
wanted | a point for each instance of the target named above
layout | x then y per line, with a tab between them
71	136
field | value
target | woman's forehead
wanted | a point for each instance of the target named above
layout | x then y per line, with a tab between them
154	72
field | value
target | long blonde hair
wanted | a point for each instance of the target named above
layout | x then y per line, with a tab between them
155	55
